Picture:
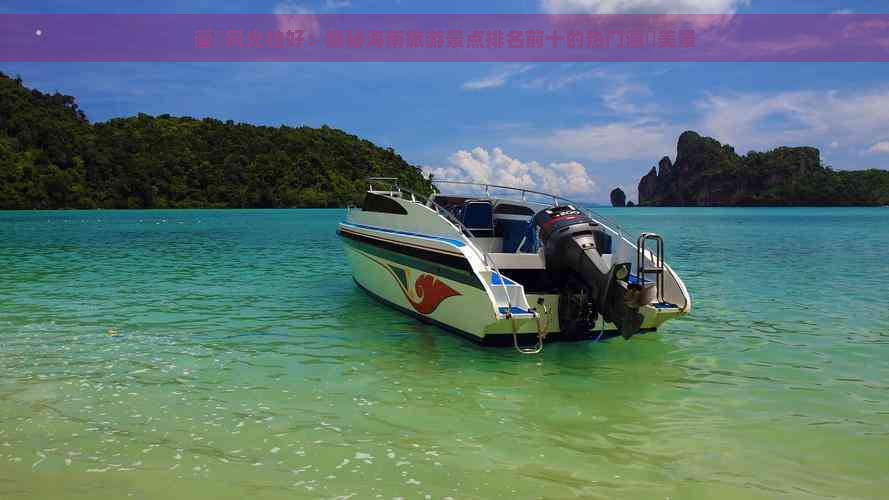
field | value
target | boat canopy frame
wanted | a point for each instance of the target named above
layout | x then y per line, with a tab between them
420	198
523	192
556	201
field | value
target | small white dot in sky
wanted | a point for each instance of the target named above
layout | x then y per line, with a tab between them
38	32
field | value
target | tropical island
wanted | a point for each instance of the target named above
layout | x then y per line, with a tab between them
52	157
708	173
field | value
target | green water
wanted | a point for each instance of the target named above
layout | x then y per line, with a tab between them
247	365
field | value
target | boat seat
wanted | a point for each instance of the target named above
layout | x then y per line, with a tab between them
512	231
518	260
478	217
529	243
518	234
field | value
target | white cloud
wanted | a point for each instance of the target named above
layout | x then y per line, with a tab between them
641	6
620	93
641	139
496	167
561	80
296	17
617	98
497	78
760	121
843	11
287	7
501	126
337	4
747	121
879	148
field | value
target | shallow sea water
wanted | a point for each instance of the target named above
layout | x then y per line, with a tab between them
245	363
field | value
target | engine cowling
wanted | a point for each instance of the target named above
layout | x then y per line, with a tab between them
575	249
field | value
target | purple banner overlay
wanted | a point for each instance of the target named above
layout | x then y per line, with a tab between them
443	38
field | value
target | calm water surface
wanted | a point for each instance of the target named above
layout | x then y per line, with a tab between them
247	364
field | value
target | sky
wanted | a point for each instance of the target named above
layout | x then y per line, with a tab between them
577	129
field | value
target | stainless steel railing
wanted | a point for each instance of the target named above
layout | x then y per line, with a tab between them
556	201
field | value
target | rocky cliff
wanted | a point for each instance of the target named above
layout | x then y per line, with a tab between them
618	198
707	172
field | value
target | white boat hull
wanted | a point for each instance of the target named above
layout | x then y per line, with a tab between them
461	306
407	255
448	303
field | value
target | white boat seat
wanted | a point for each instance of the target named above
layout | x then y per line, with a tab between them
518	260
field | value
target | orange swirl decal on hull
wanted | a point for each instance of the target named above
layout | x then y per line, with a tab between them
431	292
428	291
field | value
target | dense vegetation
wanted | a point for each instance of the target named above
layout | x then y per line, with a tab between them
51	156
709	173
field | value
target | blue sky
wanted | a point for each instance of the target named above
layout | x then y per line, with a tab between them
580	129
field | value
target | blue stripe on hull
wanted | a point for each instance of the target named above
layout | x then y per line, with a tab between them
450	241
496	280
514	310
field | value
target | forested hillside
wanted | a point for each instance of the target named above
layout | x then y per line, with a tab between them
707	172
51	156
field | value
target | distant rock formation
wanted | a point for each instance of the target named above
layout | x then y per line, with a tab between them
648	187
618	198
707	172
630	204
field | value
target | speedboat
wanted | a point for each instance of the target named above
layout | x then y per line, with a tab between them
508	266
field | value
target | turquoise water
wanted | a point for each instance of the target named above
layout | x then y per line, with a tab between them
243	362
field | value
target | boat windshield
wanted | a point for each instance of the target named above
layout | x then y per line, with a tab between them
537	200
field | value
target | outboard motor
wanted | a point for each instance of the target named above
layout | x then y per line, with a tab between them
578	259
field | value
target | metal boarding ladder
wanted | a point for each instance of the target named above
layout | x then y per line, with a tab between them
542	329
658	262
509	296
